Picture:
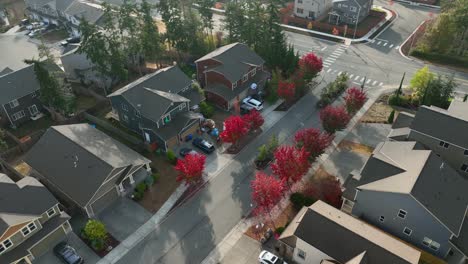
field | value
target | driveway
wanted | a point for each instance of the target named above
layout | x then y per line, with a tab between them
123	217
245	251
369	134
82	249
15	48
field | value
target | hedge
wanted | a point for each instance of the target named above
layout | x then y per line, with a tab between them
441	58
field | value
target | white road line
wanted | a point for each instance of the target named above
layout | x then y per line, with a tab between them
339	50
334	56
339	73
379	42
326	66
357	77
385	44
351	76
356	83
381	84
324	48
390	46
368	81
374	82
397	47
331	60
362	79
373	41
334	71
329	70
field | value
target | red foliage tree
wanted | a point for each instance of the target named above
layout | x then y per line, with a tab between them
190	168
354	99
267	191
254	119
331	191
334	118
310	65
286	90
314	141
234	129
291	163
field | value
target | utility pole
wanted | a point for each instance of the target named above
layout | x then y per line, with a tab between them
363	82
357	20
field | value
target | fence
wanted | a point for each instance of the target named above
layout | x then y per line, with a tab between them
10	170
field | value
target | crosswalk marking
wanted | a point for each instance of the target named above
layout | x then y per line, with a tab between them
334	56
385	44
368	81
326	66
397	47
331	60
374	82
324	48
390	46
379	42
329	70
337	53
357	77
351	76
381	84
339	73
363	79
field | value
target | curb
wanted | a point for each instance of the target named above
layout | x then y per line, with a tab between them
417	4
407	39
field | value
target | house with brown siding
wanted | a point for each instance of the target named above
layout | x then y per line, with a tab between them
230	73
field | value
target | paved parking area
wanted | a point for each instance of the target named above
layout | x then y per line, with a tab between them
245	251
369	134
123	217
15	47
82	249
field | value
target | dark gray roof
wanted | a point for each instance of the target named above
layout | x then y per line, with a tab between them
21	250
442	124
90	12
78	158
62	5
17	84
235	59
5	71
343	237
154	93
228	93
30	200
403	120
174	127
461	241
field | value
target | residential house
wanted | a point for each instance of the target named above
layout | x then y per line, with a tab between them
78	10
19	96
84	167
321	233
442	131
31	222
158	107
413	194
312	9
230	73
350	12
78	68
48	11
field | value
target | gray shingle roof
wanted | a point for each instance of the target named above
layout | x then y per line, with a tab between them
78	158
154	93
461	241
90	12
31	199
235	60
448	125
400	167
5	71
229	94
344	237
18	84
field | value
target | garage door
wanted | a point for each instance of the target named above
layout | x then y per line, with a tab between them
105	200
48	242
191	130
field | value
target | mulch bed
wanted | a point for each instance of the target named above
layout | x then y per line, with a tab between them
285	217
110	242
234	149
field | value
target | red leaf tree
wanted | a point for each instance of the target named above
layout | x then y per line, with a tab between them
310	65
314	141
254	119
334	118
354	99
234	129
267	191
190	168
290	163
286	90
327	189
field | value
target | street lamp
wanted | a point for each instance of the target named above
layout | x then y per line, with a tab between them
357	20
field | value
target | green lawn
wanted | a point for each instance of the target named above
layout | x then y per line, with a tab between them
84	102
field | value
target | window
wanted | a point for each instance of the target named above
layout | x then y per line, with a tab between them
301	253
181	106
407	231
352	8
125	117
18	115
345	5
125	107
6	244
28	229
245	77
339	5
137	113
444	144
431	244
382	218
33	110
464	167
300	11
13	103
465	152
311	14
402	214
234	85
50	212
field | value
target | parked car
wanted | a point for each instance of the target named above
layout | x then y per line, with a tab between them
245	109
254	103
266	257
67	254
34	33
74	40
204	145
185	151
259	96
35	25
24	22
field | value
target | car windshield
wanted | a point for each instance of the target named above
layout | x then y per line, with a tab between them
206	144
70	255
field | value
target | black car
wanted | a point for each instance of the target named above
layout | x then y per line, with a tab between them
204	145
185	151
74	40
67	254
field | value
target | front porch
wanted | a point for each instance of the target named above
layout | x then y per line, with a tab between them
127	185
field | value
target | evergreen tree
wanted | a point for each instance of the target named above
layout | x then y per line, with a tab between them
149	35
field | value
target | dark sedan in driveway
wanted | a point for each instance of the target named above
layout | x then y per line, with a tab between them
204	145
67	254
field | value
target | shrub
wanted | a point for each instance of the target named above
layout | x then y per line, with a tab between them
206	109
391	117
465	97
171	157
308	201
141	187
272	145
137	196
149	180
333	90
399	100
155	177
263	153
280	230
459	61
97	244
95	230
297	199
